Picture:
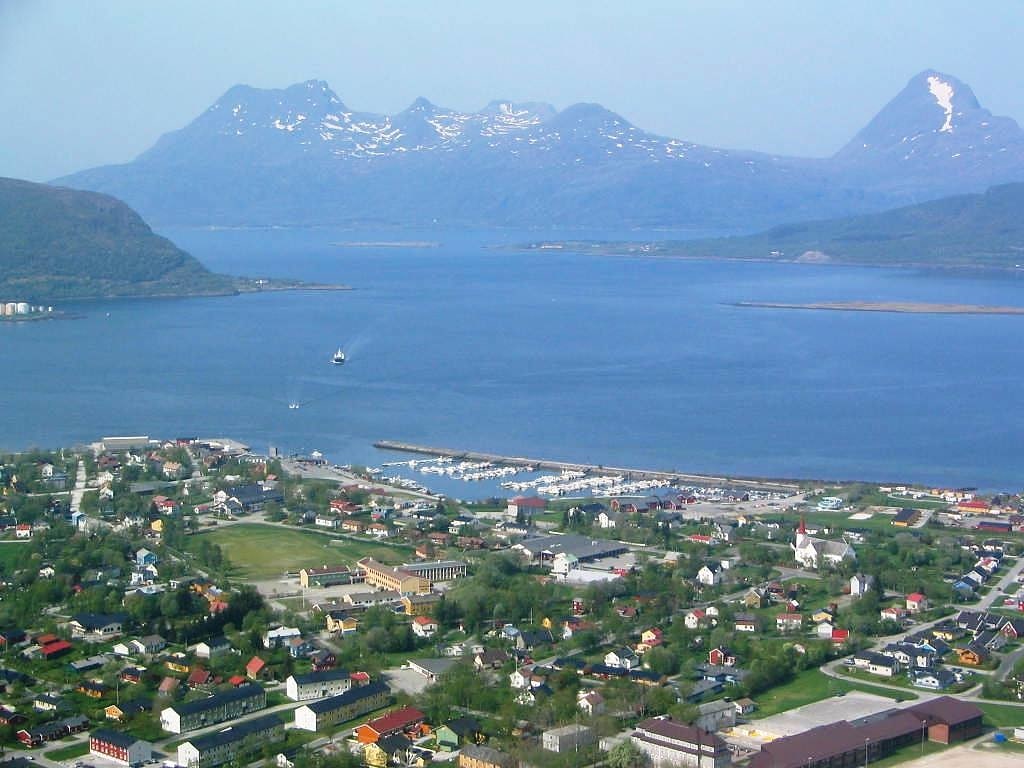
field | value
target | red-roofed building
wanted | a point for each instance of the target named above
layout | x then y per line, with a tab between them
199	676
359	678
255	667
54	649
840	636
916	602
974	506
399	721
237	680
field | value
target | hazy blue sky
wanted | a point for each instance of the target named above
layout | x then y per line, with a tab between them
96	81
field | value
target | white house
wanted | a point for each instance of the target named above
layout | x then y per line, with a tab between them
590	703
608	519
564	562
622	658
280	635
860	584
710	575
424	626
317	685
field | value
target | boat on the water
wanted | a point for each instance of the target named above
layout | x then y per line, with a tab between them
339	357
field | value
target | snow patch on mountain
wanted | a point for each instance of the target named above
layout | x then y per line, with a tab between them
943	93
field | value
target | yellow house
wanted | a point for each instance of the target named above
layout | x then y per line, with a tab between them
546	623
342	624
157	526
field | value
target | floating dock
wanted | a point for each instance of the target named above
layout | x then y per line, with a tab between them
670	478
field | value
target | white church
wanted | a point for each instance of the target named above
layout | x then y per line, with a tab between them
811	552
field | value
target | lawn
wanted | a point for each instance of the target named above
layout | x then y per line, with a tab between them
10	552
1001	715
67	753
813	685
258	551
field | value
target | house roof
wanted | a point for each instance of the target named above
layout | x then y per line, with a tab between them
397	720
116	738
234	733
327	675
350	696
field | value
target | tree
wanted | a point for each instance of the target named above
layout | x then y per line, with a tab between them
626	754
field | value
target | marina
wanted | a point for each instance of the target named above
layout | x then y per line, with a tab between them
573	477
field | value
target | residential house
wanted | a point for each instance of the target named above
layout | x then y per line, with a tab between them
97	625
622	658
695	619
710	574
590	703
745	622
214	646
398	721
455	733
255	668
649	638
275	638
214	709
317	685
357	701
567	738
722	657
860	584
789	622
121	748
224	746
144	557
477	756
756	597
424	626
916	602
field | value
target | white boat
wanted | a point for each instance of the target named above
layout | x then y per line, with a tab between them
338	357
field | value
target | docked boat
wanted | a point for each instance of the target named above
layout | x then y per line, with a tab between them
339	357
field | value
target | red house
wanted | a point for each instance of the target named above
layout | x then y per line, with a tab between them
399	721
255	667
721	657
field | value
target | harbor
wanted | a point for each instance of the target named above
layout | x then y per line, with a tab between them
579	471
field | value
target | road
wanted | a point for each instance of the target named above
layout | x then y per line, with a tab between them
996	592
328	472
79	490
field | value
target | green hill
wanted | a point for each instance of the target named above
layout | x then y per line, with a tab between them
58	243
967	231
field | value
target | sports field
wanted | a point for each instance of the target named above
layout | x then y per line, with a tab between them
258	551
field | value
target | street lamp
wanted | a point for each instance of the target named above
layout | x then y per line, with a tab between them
923	724
866	752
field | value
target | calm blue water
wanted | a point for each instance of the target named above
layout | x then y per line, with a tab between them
610	360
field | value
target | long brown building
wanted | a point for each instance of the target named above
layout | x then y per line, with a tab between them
944	720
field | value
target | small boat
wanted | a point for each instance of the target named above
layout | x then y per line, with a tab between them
293	406
339	357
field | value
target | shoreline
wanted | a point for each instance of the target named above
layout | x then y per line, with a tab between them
654	250
895	307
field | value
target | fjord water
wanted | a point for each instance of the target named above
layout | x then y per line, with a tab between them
554	354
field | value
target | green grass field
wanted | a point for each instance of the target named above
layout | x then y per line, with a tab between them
10	553
67	753
1001	715
258	551
813	685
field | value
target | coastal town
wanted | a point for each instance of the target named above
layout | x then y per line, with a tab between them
189	602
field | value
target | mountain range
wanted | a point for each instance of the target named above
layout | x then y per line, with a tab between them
63	243
300	156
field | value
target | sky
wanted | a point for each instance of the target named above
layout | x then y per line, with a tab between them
98	81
